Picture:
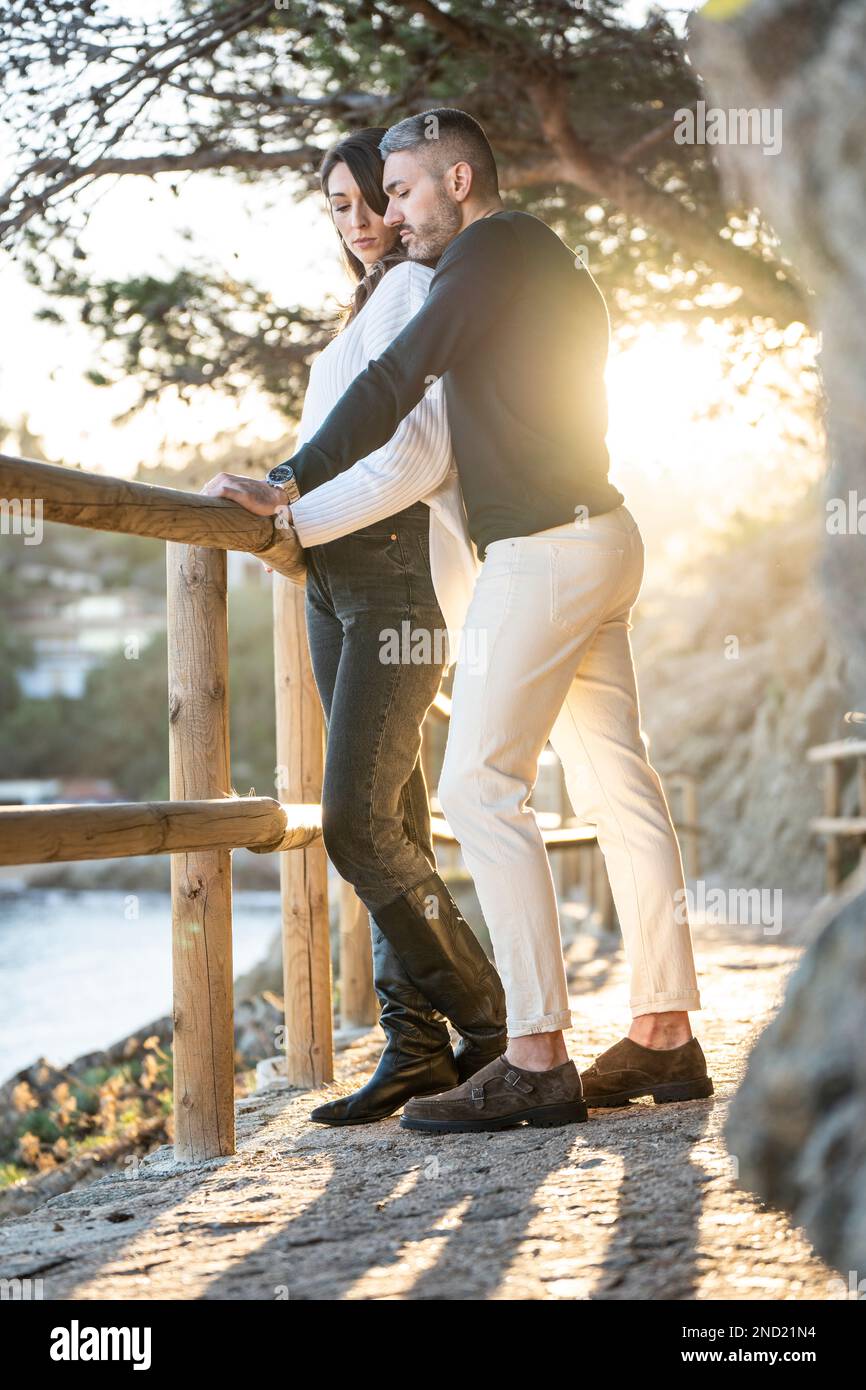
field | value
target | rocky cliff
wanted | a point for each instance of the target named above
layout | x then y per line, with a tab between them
738	675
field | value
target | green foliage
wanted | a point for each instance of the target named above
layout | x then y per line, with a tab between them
57	1122
15	654
194	330
86	1094
124	707
119	728
42	1123
251	689
10	1173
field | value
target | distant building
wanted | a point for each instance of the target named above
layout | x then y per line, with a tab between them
29	791
87	789
42	791
73	632
80	634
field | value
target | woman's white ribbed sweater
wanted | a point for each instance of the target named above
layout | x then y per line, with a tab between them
416	464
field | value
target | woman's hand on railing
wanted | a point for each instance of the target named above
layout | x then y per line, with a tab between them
254	494
260	498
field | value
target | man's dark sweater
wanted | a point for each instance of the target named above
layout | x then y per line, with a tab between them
520	335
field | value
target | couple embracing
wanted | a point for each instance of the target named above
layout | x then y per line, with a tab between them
451	473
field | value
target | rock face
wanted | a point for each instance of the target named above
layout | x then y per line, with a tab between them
737	678
798	1123
809	61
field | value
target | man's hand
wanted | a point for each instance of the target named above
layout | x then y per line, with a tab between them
254	494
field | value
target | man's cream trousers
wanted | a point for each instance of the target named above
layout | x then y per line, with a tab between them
548	631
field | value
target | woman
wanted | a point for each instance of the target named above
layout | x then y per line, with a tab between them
390	569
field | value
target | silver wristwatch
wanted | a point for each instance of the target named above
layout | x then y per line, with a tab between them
283	476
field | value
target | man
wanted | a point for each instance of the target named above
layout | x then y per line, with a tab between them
519	331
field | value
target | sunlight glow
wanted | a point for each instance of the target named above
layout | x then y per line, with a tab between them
703	426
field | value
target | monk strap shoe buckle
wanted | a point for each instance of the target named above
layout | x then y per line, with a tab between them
513	1079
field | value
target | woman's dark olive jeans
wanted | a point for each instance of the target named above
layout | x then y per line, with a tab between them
369	599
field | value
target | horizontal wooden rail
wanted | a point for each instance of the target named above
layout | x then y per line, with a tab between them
838	825
113	830
844	748
557	836
441	706
560	837
103	503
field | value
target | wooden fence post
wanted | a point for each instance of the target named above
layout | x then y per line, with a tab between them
307	989
602	897
358	1002
691	832
833	808
201	890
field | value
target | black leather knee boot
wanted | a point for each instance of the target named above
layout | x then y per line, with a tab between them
417	1060
446	962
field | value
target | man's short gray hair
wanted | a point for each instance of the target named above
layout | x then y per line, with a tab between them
443	137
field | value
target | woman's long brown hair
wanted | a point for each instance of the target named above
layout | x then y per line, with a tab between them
360	153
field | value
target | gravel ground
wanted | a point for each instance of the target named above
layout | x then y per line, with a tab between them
638	1203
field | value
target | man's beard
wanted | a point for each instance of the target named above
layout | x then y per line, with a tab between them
431	237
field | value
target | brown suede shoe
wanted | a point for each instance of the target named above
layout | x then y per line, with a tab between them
498	1097
628	1070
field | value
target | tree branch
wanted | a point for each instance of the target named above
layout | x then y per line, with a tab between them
609	179
304	158
686	231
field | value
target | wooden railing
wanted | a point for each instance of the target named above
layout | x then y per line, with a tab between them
204	821
833	825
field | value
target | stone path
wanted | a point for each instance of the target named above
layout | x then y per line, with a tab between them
638	1203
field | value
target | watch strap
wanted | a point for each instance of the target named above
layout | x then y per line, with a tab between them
283	475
